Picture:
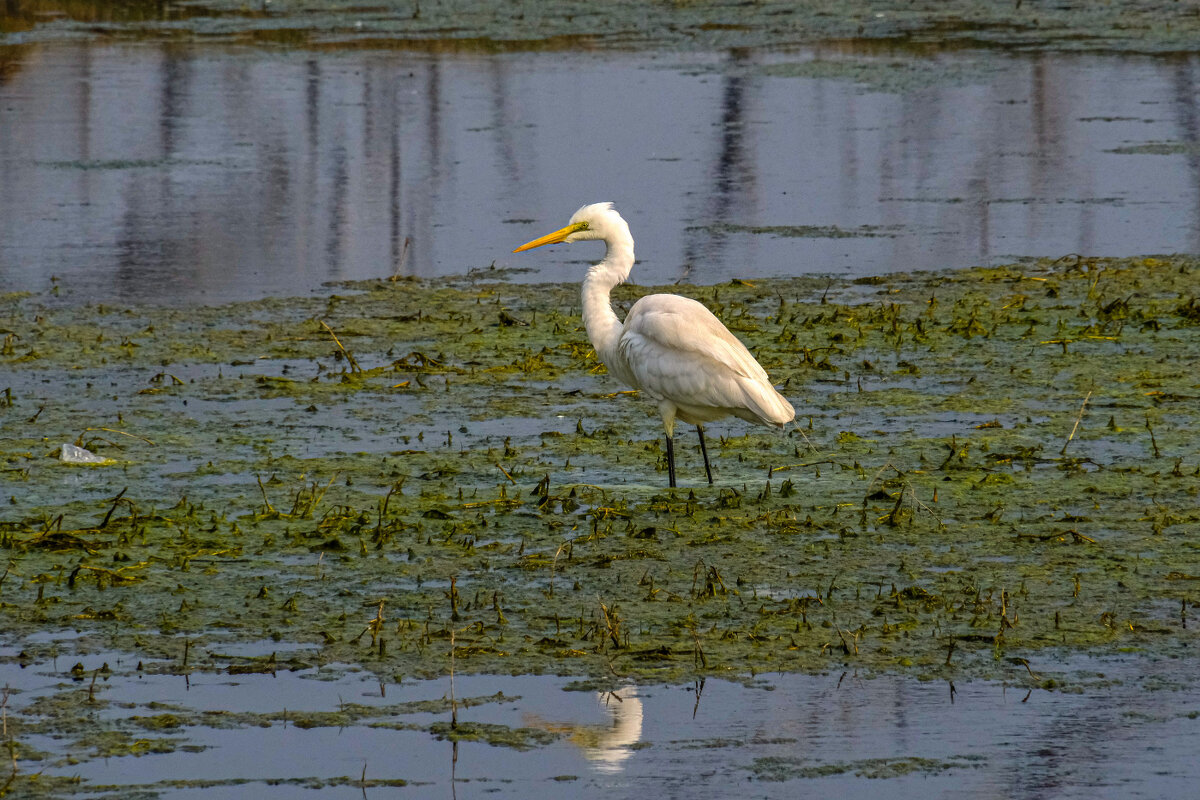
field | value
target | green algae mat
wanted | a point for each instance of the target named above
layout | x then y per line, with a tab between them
992	470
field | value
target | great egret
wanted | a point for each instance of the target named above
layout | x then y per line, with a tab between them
672	348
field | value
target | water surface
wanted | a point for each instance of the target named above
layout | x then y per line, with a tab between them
184	173
774	737
176	172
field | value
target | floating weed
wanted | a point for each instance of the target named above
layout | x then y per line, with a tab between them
779	768
493	734
956	495
1131	26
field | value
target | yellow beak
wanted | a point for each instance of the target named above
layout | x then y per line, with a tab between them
553	238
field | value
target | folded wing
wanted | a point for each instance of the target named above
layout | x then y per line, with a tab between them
675	349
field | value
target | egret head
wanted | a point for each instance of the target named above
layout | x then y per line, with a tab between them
595	221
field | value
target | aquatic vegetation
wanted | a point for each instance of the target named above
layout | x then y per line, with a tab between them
811	231
498	735
1131	26
994	466
1159	149
771	768
995	469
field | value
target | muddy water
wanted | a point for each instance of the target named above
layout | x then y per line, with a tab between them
181	173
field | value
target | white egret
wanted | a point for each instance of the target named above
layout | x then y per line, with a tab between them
672	348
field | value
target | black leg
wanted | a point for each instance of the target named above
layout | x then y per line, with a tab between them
671	460
704	452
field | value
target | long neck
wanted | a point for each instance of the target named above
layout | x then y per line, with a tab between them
603	326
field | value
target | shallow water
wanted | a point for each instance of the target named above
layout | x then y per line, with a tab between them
182	173
775	736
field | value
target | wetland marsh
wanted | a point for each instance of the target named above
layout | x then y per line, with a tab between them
372	520
993	474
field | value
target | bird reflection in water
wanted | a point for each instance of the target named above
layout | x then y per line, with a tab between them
607	745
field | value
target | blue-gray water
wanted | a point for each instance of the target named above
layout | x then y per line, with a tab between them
1131	734
184	173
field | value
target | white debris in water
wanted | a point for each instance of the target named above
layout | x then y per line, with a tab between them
72	454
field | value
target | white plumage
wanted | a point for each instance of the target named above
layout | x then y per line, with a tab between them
672	348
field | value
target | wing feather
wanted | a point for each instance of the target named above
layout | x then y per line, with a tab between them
676	349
